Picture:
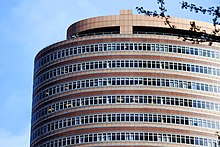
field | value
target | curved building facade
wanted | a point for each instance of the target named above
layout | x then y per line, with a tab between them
126	80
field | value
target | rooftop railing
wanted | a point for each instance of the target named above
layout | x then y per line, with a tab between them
93	34
134	33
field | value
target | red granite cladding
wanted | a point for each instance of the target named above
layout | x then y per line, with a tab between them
124	56
71	95
127	74
73	42
115	109
122	129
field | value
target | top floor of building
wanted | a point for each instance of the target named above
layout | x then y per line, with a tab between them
128	23
127	26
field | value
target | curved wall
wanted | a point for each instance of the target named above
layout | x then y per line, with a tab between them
126	89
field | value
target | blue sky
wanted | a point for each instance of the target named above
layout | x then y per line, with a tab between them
27	26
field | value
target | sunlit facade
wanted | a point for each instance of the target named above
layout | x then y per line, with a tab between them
126	80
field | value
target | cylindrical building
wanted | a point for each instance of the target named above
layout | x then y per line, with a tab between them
126	80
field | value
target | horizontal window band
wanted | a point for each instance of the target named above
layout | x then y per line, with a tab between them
131	64
123	81
124	46
124	99
142	137
143	118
